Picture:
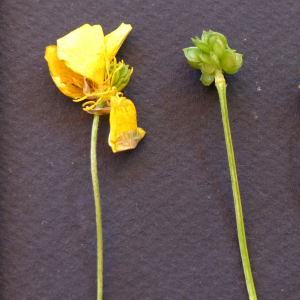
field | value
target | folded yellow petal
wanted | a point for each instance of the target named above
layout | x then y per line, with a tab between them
67	81
124	133
83	51
115	39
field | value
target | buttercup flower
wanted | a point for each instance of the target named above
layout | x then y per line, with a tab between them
83	66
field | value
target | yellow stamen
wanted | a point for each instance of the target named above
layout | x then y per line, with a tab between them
90	107
80	99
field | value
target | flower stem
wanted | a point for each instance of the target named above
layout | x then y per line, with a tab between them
221	86
97	207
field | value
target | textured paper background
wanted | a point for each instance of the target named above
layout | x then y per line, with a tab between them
168	215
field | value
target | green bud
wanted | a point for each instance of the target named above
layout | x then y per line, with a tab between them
193	56
120	75
207	79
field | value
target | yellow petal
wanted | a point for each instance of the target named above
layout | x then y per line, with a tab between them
83	51
124	133
67	81
115	39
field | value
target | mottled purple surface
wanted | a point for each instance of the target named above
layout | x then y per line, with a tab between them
168	216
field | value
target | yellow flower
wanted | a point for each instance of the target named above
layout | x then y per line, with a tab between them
83	66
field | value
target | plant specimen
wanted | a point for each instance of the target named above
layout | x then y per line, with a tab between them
213	56
84	67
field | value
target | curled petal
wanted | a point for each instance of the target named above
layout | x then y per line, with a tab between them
66	80
83	51
124	133
115	39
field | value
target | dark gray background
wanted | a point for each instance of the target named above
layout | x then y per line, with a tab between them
168	215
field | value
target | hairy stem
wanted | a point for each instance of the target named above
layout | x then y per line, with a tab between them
97	207
221	86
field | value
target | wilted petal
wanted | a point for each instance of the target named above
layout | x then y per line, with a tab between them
124	133
115	39
67	81
83	51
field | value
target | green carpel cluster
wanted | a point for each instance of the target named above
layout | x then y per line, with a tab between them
212	53
121	75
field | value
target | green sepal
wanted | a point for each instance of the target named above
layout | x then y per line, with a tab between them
192	55
207	79
201	45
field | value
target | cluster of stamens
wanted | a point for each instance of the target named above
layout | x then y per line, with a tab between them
99	95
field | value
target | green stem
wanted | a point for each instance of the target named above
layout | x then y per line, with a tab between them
97	207
221	86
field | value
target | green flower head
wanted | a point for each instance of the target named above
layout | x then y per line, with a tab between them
211	53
